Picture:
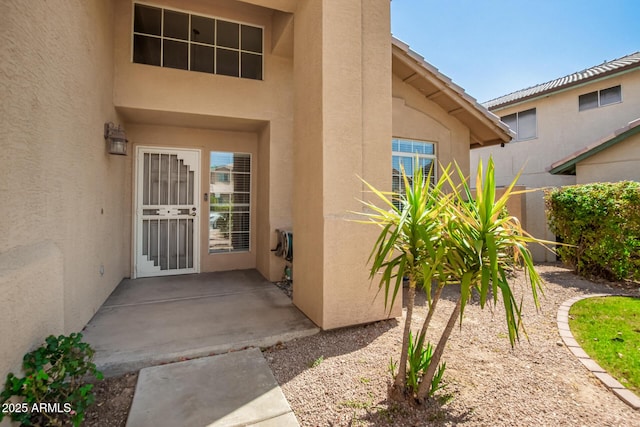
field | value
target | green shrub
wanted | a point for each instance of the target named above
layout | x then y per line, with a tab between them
602	223
52	391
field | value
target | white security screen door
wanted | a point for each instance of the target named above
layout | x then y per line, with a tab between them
167	212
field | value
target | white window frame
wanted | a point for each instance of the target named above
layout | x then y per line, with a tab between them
517	129
189	42
249	230
599	93
412	155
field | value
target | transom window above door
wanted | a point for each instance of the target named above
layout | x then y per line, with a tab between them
173	39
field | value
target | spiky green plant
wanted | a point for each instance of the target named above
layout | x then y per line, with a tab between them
419	357
483	245
449	237
408	245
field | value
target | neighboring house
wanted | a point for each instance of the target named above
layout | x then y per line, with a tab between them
300	97
555	119
615	157
220	179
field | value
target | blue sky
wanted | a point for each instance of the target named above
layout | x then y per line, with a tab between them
494	47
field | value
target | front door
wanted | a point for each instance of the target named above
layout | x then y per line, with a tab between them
167	212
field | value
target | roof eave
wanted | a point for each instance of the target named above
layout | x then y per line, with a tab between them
566	86
496	141
567	166
501	132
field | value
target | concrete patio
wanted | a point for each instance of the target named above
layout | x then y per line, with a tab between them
151	321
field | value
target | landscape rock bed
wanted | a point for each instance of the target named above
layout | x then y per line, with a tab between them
340	378
537	383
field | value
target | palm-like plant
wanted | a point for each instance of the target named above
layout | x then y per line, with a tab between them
483	244
407	245
451	238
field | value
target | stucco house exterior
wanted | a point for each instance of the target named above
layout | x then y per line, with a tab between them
242	118
615	157
556	119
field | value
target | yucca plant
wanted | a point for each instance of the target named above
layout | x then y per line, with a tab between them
450	238
408	244
482	245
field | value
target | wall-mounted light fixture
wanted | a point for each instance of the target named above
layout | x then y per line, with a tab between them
116	138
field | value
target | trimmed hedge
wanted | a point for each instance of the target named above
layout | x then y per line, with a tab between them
602	222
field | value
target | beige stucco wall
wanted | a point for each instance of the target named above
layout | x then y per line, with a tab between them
320	117
620	162
155	88
416	117
344	110
313	124
308	161
156	96
207	140
64	198
562	130
342	127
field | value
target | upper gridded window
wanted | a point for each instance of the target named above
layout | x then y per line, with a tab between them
600	98
173	39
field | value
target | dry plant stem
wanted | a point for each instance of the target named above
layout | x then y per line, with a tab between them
401	377
432	309
425	385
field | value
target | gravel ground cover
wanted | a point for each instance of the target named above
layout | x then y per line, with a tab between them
340	378
113	401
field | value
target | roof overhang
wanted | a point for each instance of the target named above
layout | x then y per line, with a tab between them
567	166
485	127
606	70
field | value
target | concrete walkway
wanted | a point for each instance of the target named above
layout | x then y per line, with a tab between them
233	389
150	321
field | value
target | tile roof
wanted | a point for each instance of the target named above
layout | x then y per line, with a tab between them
606	68
567	166
421	74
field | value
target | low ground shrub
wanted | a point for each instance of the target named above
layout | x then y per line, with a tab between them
601	222
52	392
